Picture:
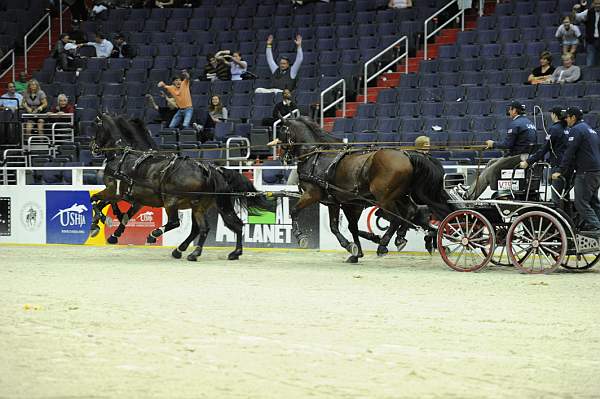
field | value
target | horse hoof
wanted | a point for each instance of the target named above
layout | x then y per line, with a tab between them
94	231
192	258
112	240
381	250
353	249
233	256
401	244
303	242
176	254
151	240
352	259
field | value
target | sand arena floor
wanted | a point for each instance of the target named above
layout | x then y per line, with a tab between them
118	322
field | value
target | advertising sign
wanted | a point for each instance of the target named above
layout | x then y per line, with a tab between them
138	228
68	217
5	216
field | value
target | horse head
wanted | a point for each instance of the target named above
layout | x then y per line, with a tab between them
107	135
301	135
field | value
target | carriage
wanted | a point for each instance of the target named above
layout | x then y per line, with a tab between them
518	226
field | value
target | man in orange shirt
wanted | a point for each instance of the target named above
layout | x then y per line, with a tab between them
180	91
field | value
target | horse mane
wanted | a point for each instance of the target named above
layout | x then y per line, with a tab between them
143	133
134	134
319	135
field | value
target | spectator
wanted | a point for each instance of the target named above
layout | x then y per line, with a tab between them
216	113
285	106
99	9
216	68
236	64
283	77
423	144
591	17
167	112
63	106
543	73
400	4
64	52
120	48
165	3
8	99
21	83
569	35
78	8
103	47
180	91
34	102
568	72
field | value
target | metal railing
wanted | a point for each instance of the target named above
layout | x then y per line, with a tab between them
228	149
13	158
426	36
59	128
334	103
48	30
295	113
12	65
367	78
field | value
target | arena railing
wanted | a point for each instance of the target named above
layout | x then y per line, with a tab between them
295	113
59	128
393	46
342	99
427	36
12	65
48	30
228	148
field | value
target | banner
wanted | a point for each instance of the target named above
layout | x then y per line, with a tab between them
138	227
5	217
68	217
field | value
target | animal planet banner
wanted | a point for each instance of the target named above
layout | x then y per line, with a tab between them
139	226
270	229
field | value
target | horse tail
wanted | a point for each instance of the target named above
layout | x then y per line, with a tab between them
238	183
428	176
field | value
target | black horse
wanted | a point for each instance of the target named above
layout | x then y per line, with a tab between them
138	174
350	180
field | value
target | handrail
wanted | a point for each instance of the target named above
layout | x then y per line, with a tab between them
333	104
426	36
295	113
367	79
47	30
228	149
12	64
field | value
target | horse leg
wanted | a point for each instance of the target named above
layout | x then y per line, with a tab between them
309	197
235	224
334	225
123	220
172	221
184	245
353	214
199	214
369	236
97	216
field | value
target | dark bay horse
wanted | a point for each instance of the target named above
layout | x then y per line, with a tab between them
136	173
350	180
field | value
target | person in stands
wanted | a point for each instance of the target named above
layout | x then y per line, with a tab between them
120	48
543	73
165	113
591	17
180	91
237	65
11	99
63	106
216	68
568	72
283	76
103	47
569	36
34	102
21	83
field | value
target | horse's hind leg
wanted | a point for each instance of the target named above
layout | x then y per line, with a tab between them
235	224
199	214
172	221
334	225
123	220
184	245
353	214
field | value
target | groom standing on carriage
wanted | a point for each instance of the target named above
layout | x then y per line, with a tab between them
520	139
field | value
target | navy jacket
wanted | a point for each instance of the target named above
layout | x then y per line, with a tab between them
583	151
521	137
555	145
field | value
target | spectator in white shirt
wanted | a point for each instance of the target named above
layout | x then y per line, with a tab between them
103	47
569	35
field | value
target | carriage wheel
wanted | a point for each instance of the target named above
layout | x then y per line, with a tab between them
501	259
581	262
536	243
464	238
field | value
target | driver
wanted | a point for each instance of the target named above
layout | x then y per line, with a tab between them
520	139
556	145
583	155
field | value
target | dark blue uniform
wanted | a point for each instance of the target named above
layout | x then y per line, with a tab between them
555	145
521	137
583	154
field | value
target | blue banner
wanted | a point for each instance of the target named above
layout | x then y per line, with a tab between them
68	217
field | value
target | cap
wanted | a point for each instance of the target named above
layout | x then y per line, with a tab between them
574	111
558	111
517	105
